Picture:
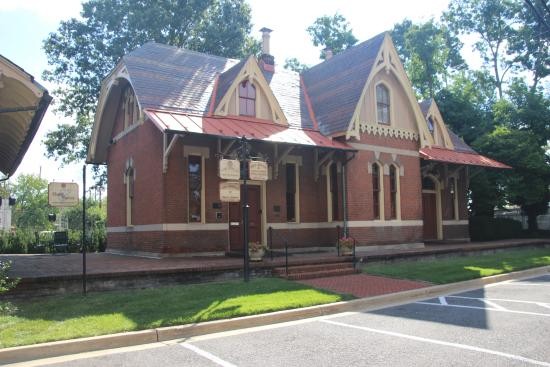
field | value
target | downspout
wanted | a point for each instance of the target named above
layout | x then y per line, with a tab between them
344	193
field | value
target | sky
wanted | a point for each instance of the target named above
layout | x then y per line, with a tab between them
24	24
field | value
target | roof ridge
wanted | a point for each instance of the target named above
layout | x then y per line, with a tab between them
173	47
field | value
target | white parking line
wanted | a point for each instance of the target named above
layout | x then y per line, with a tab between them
207	355
440	342
492	304
543	304
443	301
485	308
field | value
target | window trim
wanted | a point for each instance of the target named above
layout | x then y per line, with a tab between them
390	104
129	198
397	191
255	99
454	198
381	214
203	187
296	192
330	214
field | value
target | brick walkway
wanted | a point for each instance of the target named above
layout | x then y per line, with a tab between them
363	285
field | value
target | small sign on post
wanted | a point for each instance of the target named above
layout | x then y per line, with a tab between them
229	169
257	170
62	194
230	191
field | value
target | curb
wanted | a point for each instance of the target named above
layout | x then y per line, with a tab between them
81	345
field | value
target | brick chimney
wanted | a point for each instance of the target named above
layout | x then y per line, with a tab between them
267	61
328	53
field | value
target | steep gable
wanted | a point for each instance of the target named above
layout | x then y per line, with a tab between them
267	105
440	136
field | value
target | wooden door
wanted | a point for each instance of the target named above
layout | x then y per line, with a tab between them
429	208
254	219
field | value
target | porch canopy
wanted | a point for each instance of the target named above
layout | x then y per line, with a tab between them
232	127
23	103
470	158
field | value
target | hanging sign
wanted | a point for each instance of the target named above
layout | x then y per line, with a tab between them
230	191
229	169
257	170
62	194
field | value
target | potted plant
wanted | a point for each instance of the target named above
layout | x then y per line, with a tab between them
256	251
346	245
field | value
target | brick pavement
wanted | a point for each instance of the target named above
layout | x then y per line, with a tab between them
363	285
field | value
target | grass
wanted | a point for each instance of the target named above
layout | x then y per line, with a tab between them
454	269
73	316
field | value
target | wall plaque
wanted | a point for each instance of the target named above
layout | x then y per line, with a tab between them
62	194
229	169
230	191
257	170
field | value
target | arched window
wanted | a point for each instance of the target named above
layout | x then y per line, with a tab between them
247	99
393	192
431	125
129	177
376	190
382	104
131	107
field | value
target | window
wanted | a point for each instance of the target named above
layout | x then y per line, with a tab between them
195	188
393	192
334	191
431	125
428	184
247	99
131	108
290	192
129	177
454	197
376	190
383	104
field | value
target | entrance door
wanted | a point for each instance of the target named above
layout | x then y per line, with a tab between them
430	217
254	219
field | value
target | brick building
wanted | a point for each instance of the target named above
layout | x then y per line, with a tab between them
346	141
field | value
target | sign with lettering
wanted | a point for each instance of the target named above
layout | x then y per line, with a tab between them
257	170
229	169
230	191
62	194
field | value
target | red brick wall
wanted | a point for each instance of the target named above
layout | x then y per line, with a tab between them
387	235
456	232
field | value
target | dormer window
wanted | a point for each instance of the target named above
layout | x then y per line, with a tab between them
247	99
131	107
382	104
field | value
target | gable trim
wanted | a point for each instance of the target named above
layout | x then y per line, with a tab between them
252	72
438	119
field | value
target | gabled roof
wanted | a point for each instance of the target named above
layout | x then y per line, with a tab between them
168	77
335	85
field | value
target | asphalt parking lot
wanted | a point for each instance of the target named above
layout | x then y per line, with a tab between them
504	324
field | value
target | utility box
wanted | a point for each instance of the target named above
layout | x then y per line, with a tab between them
5	215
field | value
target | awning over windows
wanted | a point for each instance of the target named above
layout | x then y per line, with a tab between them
236	127
456	157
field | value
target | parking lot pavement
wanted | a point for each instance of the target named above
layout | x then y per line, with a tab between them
505	324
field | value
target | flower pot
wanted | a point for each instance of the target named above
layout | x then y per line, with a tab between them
256	254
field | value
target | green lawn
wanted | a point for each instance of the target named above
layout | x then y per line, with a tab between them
73	316
448	270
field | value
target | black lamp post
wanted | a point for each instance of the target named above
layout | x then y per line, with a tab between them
244	156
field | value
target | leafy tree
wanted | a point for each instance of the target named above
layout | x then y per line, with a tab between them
295	65
466	104
429	53
525	109
494	22
526	185
31	208
332	32
532	44
83	51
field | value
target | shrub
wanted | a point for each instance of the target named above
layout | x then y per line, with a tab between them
5	285
488	228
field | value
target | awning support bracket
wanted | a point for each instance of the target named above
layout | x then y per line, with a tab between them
167	148
317	164
279	159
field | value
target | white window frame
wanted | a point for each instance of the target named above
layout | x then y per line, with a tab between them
390	101
397	192
203	153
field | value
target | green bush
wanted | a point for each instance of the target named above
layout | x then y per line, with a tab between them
488	229
5	285
16	242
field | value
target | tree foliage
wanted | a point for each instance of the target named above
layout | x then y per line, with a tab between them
83	51
295	65
31	208
494	23
429	52
332	32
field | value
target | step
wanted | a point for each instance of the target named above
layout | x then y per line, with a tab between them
313	268
320	274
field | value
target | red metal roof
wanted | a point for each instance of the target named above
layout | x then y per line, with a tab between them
238	126
453	156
